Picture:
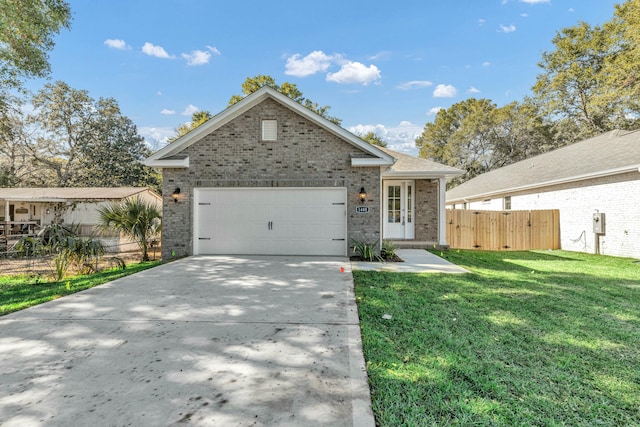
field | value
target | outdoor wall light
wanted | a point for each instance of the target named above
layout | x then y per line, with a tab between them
175	194
48	211
362	195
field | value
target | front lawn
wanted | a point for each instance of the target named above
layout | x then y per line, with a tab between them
20	292
526	339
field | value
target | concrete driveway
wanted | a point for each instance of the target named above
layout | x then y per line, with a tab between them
210	341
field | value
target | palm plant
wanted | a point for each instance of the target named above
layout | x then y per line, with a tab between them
135	218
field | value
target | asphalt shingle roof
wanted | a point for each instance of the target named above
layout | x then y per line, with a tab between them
613	152
69	193
406	164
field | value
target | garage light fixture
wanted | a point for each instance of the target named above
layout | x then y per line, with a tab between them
362	195
175	194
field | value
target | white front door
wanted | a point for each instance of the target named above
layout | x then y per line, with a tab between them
399	210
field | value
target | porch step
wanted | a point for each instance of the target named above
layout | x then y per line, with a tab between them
414	244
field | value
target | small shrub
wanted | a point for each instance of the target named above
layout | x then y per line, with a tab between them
388	250
366	251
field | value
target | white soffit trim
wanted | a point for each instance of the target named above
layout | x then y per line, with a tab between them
169	163
600	174
369	161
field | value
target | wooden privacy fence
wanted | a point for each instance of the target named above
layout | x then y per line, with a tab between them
503	230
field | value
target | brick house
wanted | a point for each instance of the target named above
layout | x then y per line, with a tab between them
269	176
584	180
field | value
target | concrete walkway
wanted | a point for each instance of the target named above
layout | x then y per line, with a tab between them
415	261
203	341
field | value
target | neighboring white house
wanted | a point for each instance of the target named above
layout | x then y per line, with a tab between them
25	211
600	175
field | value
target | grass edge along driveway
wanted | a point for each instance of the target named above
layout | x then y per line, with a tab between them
20	292
546	338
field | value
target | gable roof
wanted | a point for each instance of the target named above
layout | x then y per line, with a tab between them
171	156
611	153
62	194
407	166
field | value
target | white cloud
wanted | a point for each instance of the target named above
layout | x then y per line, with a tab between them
433	111
189	110
571	10
355	72
156	137
415	84
399	138
197	57
524	15
507	29
157	51
200	57
481	21
167	112
473	90
214	50
535	1
315	62
486	64
445	91
117	44
385	54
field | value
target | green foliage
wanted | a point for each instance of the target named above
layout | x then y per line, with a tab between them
366	251
17	293
139	220
373	139
27	28
198	118
477	136
526	339
388	250
79	141
29	246
253	84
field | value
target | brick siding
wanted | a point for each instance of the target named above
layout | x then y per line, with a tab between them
234	156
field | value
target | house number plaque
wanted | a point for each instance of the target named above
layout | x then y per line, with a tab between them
362	209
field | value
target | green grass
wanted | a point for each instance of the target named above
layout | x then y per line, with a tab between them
20	292
526	339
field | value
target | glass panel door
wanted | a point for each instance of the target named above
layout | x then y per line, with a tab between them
399	211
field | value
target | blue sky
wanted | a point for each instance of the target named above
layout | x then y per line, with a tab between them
381	66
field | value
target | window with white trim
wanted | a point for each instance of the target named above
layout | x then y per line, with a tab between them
269	130
507	203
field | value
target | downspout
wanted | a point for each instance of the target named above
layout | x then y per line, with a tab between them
442	217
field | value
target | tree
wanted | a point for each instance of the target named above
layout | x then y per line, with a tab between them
135	218
477	136
578	82
623	65
252	84
373	139
27	28
198	118
83	142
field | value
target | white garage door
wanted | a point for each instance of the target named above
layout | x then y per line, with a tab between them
270	221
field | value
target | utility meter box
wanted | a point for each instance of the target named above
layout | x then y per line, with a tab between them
599	223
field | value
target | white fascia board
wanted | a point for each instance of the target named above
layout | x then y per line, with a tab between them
576	178
169	163
369	161
420	175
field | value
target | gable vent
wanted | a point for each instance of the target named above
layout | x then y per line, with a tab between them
269	130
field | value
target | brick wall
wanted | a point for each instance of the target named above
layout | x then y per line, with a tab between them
234	156
617	196
426	211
